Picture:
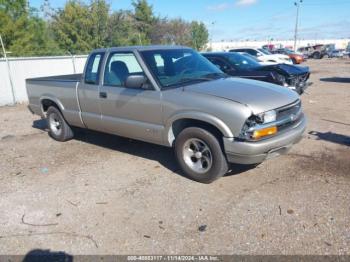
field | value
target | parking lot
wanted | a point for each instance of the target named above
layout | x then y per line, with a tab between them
102	194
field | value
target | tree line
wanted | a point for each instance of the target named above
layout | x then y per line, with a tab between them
79	27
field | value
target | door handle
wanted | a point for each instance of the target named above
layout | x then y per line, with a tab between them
103	95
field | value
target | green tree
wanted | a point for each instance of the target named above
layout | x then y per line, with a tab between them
72	28
99	11
199	34
23	32
121	29
144	19
79	27
174	31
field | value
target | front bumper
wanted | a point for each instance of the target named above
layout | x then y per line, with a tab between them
256	152
300	89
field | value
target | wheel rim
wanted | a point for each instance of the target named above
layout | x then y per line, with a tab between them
197	155
55	124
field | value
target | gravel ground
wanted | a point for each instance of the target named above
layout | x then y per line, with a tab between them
101	194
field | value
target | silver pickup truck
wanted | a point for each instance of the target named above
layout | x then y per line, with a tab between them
172	96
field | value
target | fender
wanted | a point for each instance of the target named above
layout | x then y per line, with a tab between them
195	115
53	99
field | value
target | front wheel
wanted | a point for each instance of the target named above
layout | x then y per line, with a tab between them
200	155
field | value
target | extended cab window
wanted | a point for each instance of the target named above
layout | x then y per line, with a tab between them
93	69
119	66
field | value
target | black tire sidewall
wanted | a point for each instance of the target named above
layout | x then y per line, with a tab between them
317	55
66	133
219	166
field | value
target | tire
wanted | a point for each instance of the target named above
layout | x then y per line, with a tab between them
58	127
200	155
316	55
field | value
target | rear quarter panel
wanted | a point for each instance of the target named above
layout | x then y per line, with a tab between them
62	92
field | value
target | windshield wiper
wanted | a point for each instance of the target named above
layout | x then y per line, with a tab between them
206	77
188	80
214	76
203	78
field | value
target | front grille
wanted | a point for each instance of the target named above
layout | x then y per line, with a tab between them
288	115
288	111
288	124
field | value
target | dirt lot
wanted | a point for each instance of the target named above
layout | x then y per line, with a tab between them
101	194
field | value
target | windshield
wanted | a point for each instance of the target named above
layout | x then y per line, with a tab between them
177	67
264	51
242	61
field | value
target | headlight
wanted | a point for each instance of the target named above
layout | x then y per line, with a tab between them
267	117
280	79
259	126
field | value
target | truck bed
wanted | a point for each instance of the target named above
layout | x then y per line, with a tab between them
62	86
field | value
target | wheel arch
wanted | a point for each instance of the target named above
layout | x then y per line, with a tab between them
195	119
47	101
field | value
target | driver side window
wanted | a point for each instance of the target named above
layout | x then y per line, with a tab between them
222	65
119	67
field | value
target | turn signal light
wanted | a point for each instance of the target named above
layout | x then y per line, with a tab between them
265	132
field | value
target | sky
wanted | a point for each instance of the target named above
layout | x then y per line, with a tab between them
252	19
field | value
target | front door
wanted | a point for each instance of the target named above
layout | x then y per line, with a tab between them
88	92
129	112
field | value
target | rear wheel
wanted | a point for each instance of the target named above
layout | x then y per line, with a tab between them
200	155
58	127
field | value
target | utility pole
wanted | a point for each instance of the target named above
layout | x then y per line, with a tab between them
297	4
9	71
73	61
211	35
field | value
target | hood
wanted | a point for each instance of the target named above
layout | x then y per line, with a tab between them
258	96
287	69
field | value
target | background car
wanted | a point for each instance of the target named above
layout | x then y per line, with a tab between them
256	59
238	65
315	51
296	58
264	55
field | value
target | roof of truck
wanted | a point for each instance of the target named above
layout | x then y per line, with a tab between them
141	48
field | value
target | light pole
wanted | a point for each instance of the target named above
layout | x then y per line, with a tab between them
73	61
297	4
211	34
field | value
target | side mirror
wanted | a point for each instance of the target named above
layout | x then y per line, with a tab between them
136	81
